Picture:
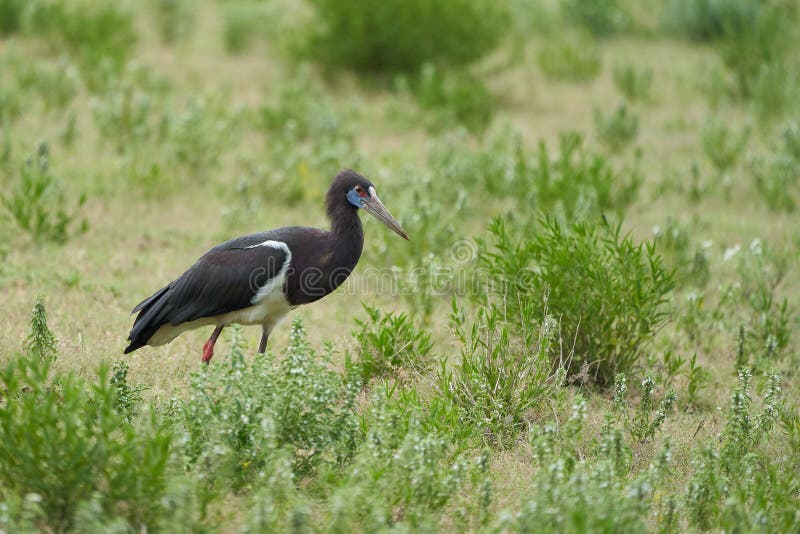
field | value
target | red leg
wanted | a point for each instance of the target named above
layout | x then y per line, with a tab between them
208	348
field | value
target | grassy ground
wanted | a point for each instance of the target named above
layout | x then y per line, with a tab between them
143	231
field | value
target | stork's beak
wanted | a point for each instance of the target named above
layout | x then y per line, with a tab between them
376	208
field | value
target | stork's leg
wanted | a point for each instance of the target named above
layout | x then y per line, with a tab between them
262	347
208	348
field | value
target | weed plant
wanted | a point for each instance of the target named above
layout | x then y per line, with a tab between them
617	130
575	59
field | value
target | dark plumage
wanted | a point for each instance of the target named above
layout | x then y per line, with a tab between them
256	279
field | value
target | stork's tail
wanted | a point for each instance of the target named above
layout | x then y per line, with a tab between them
148	321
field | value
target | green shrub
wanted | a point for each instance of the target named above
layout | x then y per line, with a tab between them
690	263
571	181
401	476
245	21
707	20
390	341
578	490
506	377
601	17
11	14
609	293
37	204
99	34
456	97
62	444
718	495
575	59
617	130
175	19
239	414
41	343
402	35
634	84
767	40
722	146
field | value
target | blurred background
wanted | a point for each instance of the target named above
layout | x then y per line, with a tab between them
639	160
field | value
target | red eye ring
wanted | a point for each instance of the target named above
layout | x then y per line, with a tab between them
360	192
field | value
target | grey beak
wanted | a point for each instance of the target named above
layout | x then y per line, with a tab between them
375	207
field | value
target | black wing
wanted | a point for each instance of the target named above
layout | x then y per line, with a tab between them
225	279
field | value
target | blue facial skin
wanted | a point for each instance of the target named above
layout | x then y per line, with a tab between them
354	199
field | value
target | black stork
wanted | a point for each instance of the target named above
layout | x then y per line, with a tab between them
256	279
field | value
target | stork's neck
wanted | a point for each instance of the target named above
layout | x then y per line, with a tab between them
347	237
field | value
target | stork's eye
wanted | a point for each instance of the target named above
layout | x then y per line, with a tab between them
360	191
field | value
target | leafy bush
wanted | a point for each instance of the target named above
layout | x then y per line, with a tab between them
608	293
11	13
600	17
41	343
402	35
706	20
504	377
777	176
617	130
239	414
691	264
400	476
578	490
575	59
455	97
63	444
635	84
722	146
718	495
37	203
389	341
175	19
246	21
99	34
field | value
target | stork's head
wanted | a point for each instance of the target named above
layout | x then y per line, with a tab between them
353	190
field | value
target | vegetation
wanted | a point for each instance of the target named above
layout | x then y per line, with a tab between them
593	327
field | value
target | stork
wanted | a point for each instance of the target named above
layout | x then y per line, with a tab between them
256	279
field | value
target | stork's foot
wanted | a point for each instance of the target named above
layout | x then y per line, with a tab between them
208	347
208	351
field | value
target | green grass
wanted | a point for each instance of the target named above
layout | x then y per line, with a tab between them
592	329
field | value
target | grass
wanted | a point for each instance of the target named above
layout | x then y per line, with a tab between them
669	269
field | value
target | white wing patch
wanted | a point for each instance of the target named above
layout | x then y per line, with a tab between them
276	282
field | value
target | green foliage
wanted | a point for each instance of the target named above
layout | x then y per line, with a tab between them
609	293
41	342
634	84
240	414
127	398
62	444
505	377
11	14
575	59
722	146
403	35
691	263
389	342
601	17
644	424
735	482
175	19
99	34
245	21
455	97
579	490
706	20
777	176
764	40
38	205
617	130
401	475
